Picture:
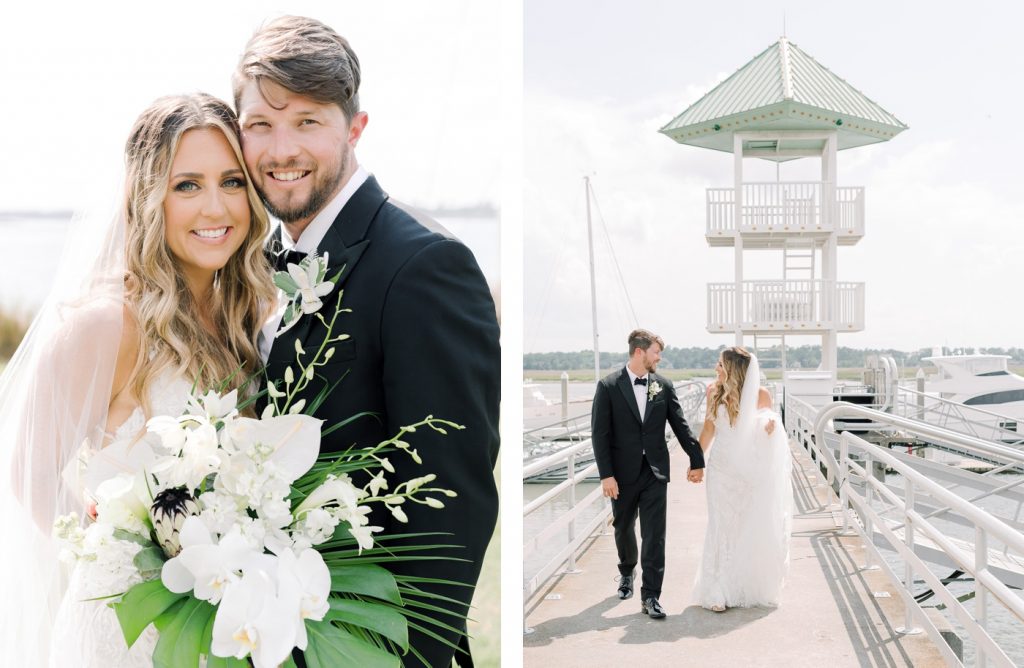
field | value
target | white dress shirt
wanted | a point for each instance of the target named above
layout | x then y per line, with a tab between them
308	242
639	391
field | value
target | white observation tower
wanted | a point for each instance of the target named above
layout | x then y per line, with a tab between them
783	105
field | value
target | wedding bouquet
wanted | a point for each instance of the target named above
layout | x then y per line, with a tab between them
240	544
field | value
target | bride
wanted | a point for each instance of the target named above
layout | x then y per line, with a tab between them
746	547
174	294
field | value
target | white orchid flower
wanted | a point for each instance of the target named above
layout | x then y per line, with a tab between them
335	490
304	583
200	457
206	567
171	433
309	289
377	483
251	621
215	407
364	535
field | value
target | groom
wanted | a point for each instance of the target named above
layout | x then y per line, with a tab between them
423	334
628	419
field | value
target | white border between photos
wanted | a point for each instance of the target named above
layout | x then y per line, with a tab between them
512	335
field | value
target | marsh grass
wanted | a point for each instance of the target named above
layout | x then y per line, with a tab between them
12	330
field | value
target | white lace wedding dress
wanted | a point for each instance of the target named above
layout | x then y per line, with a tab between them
749	495
86	633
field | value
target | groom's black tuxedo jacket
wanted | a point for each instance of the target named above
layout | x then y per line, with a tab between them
622	436
423	340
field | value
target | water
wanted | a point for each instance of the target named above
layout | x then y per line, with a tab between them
32	245
1003	626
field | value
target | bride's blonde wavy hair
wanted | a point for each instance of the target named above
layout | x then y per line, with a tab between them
156	294
735	361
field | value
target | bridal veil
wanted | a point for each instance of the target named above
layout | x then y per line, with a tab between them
54	395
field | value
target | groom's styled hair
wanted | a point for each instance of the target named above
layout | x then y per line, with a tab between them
642	339
305	56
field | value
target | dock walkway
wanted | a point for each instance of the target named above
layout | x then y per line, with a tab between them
830	613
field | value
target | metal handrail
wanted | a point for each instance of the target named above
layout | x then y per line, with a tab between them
986	525
691	397
954	410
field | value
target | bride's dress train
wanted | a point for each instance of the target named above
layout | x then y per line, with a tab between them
86	633
749	496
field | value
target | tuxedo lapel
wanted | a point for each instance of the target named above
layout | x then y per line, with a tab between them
348	237
627	391
650	400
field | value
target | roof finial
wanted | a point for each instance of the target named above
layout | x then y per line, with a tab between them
783	24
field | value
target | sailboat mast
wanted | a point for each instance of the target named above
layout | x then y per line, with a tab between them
593	283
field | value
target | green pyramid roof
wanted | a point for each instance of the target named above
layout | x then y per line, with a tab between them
783	88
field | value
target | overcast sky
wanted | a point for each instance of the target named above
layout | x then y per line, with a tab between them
944	243
75	75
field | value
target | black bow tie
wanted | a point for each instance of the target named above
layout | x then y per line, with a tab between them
640	381
286	257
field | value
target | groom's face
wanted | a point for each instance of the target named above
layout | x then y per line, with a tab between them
299	152
651	357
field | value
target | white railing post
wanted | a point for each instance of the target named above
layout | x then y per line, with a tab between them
980	592
908	566
869	495
844	475
565	398
570	474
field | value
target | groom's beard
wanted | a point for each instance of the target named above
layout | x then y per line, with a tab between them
326	184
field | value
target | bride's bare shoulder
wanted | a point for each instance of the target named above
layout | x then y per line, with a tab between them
764	398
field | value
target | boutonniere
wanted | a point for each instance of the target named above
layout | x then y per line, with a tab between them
652	389
304	284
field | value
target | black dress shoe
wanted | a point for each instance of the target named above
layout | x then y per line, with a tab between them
652	608
625	587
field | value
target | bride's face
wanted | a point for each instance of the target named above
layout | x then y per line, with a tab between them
720	371
206	210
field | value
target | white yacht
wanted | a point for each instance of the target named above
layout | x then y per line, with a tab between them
981	381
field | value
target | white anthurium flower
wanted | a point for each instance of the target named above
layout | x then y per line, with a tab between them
304	582
310	290
118	503
206	567
292	441
252	621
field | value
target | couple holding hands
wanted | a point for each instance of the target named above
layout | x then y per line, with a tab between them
746	546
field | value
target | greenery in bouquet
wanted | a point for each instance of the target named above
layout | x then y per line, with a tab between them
241	543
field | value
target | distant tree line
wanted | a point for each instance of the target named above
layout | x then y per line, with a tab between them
805	357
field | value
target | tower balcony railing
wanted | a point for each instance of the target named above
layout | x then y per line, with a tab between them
786	306
778	208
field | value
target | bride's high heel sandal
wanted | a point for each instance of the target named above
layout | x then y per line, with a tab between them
716	608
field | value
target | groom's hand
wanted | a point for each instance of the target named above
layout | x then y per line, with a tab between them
695	476
610	488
